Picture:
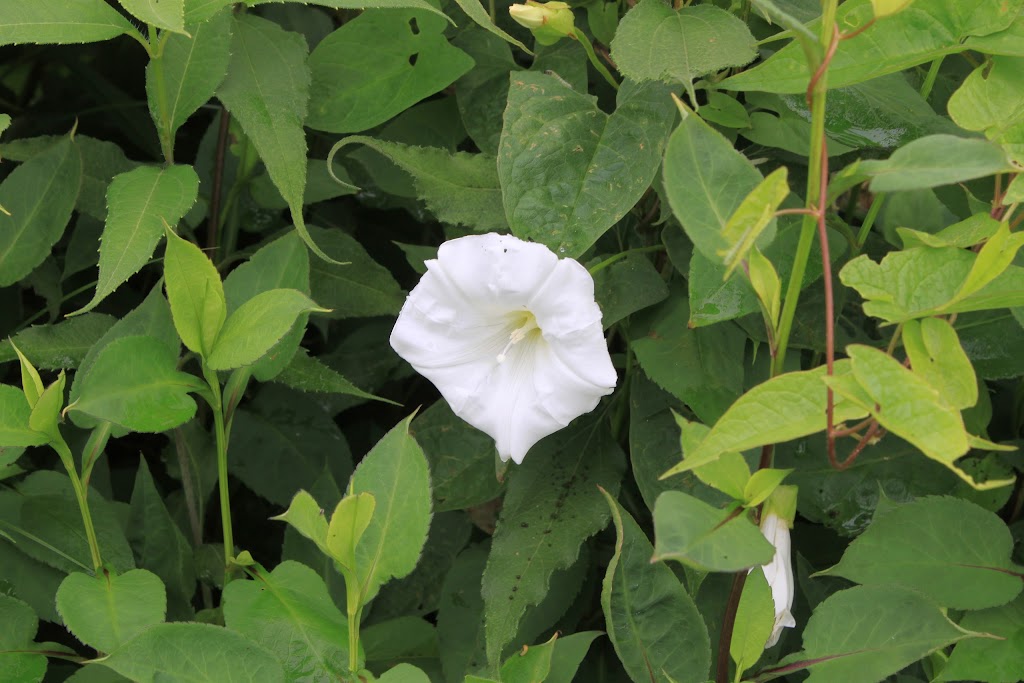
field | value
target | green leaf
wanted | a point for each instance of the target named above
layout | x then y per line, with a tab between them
967	233
358	289
289	613
165	14
692	532
18	624
698	366
186	76
361	4
761	485
404	673
195	293
953	551
990	99
922	32
569	653
395	473
729	472
656	629
46	412
936	355
656	42
159	545
14	414
460	616
529	665
924	281
181	652
866	633
552	506
61	346
348	524
755	617
307	517
38	198
139	204
81	21
31	383
993	259
267	91
475	11
909	407
569	171
459	188
461	459
135	383
256	326
925	163
990	660
754	214
626	287
403	53
783	408
107	610
289	440
307	373
49	512
706	181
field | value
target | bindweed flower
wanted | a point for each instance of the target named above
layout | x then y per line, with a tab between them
510	335
548	21
776	520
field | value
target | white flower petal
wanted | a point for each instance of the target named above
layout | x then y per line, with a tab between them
779	574
511	337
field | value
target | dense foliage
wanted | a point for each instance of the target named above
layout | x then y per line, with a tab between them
802	222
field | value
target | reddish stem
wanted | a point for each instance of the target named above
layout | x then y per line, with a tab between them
728	623
829	54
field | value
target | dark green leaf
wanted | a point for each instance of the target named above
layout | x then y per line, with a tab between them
80	21
18	624
361	288
925	163
107	610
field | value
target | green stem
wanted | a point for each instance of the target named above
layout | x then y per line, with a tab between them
809	224
156	60
929	79
621	255
354	608
220	435
585	42
93	448
83	505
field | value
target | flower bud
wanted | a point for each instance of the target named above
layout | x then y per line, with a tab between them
548	21
776	519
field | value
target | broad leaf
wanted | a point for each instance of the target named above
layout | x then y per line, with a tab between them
403	53
135	383
139	204
754	214
568	201
755	617
307	373
922	32
925	163
165	14
656	42
459	188
936	355
14	414
38	197
81	21
59	346
362	287
692	532
552	506
307	517
395	473
706	181
949	549
187	74
529	665
18	624
195	293
288	612
984	659
180	651
107	610
256	326
626	287
267	90
870	632
656	629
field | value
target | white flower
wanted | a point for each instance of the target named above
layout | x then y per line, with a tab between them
779	573
511	337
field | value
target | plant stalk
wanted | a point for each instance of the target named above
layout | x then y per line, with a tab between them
220	435
83	504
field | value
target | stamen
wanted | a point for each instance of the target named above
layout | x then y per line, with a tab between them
518	335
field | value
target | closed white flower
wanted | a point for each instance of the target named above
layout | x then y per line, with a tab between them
511	337
779	573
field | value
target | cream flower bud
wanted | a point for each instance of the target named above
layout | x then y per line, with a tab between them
510	335
548	21
776	519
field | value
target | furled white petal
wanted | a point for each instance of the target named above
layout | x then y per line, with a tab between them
511	337
779	573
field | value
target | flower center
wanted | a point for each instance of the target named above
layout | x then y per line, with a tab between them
529	324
